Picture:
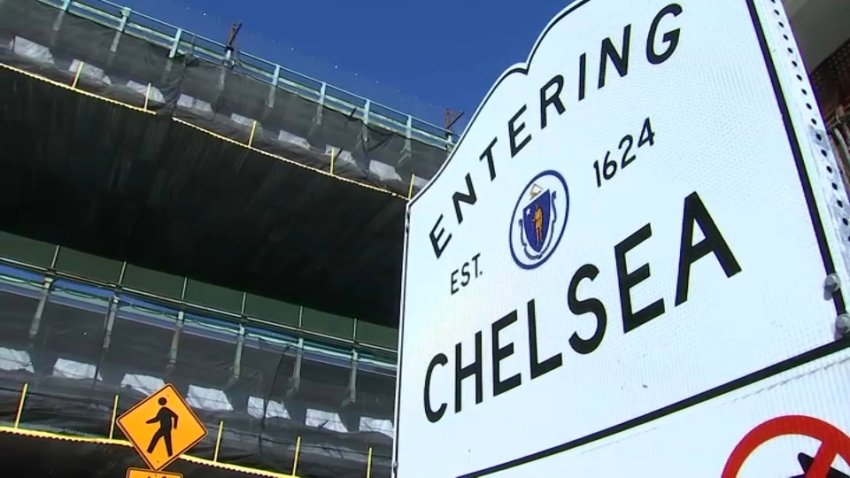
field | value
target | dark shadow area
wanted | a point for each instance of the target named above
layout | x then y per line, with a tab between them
52	458
125	185
103	179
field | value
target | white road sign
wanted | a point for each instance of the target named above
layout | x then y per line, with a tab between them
638	222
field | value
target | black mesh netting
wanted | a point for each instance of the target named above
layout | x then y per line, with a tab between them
85	345
162	194
226	98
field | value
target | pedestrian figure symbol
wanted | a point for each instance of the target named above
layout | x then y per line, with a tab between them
167	421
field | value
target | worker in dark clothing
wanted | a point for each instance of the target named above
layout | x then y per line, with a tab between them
165	417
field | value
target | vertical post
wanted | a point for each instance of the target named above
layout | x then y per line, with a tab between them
297	451
21	405
57	24
175	340
237	356
323	91
295	380
352	381
320	111
407	150
276	77
253	130
125	15
55	258
273	87
449	120
147	96
410	191
369	464
114	415
218	441
366	110
333	158
77	75
39	310
123	273
110	321
176	44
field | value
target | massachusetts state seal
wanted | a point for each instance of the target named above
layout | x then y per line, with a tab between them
539	219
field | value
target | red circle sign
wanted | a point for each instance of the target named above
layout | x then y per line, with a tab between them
834	443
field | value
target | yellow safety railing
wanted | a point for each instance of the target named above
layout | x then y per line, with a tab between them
112	441
249	144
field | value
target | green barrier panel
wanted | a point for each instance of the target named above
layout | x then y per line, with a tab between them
25	250
272	310
170	286
88	266
379	335
153	282
213	296
328	324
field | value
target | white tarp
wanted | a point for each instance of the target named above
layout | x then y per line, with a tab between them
637	222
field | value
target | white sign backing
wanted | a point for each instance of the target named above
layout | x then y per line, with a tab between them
639	220
785	426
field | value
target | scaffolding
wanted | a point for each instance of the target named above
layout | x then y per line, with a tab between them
108	50
76	352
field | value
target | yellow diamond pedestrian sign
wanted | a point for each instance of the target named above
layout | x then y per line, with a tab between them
162	427
142	473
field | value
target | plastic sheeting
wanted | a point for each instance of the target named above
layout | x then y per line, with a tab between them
83	345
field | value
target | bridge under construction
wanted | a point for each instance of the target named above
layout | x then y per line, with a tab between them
178	212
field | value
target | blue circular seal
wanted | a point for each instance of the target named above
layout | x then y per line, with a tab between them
539	219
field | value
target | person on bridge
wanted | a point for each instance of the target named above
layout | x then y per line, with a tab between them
165	417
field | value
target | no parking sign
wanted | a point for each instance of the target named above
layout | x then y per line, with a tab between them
834	443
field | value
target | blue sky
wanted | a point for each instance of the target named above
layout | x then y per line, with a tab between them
417	56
